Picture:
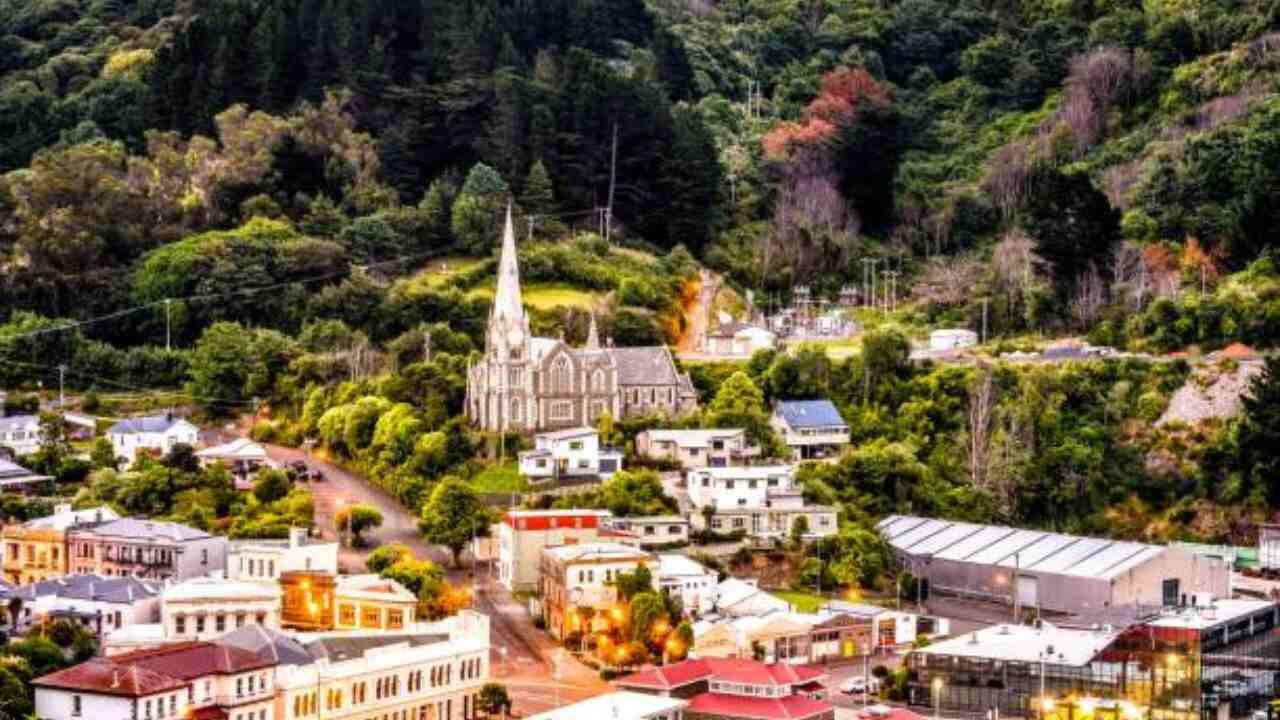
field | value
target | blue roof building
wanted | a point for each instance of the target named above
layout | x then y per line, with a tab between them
813	429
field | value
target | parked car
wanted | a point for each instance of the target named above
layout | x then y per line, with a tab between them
858	685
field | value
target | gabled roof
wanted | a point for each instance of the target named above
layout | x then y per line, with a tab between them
590	552
189	660
104	676
569	433
692	438
12	473
142	529
733	670
346	647
122	590
645	365
278	647
791	707
238	449
146	424
809	413
64	520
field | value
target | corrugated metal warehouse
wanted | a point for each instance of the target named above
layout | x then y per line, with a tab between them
1065	573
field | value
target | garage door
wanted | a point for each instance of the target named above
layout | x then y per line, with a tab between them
1028	590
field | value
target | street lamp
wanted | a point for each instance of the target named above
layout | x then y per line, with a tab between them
506	670
937	697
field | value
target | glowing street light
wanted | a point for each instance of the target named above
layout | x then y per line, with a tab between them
1088	705
937	697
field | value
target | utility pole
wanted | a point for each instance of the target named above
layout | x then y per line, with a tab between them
869	281
613	182
984	319
884	283
167	345
62	399
531	218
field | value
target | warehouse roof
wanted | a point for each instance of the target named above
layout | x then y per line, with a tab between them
1024	643
1030	550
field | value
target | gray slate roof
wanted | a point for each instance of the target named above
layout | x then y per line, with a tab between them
346	648
91	587
644	366
141	529
268	644
810	413
11	472
145	423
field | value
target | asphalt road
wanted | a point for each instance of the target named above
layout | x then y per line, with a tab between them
538	676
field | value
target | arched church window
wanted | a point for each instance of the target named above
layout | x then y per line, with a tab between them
517	410
563	375
597	381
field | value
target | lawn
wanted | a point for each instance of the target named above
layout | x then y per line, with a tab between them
546	296
803	602
499	479
839	349
438	271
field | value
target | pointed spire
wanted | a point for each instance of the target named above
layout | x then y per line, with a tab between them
593	335
507	303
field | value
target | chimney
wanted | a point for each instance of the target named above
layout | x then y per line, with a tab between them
297	536
115	678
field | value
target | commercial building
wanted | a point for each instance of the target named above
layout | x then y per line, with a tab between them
737	689
318	601
253	673
186	680
696	448
204	608
811	428
153	435
620	705
150	549
524	534
1184	663
101	604
266	560
574	577
37	549
762	501
576	452
20	434
1051	571
688	580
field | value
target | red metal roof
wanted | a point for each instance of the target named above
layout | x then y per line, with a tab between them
105	677
749	672
549	519
791	707
144	672
209	712
895	713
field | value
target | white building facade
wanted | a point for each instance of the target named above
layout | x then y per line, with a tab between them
20	434
264	560
569	453
761	501
204	608
688	580
154	434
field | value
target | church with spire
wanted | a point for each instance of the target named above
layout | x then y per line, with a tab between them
530	384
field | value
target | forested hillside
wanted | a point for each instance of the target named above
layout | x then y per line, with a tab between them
284	203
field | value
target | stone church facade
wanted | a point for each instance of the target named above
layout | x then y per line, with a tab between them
529	384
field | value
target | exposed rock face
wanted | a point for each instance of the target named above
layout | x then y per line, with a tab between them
1210	394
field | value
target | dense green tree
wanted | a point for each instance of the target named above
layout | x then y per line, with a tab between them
453	516
1072	223
1258	435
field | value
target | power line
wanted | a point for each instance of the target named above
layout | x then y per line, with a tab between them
96	379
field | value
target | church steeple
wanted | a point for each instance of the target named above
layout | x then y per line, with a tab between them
507	303
593	335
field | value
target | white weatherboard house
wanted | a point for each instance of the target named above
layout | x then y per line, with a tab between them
20	434
154	434
811	428
952	339
569	453
762	501
264	560
688	580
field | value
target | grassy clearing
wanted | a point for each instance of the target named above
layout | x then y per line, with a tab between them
839	349
545	296
802	601
499	479
439	271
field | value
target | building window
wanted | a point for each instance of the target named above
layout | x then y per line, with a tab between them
199	623
180	624
575	445
220	623
347	614
395	619
370	617
561	410
75	705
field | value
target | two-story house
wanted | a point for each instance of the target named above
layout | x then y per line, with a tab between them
696	448
172	682
524	534
148	549
20	434
582	576
37	549
150	435
763	501
688	580
103	605
811	428
320	601
206	607
572	453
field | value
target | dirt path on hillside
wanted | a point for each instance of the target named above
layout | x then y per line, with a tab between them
697	312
